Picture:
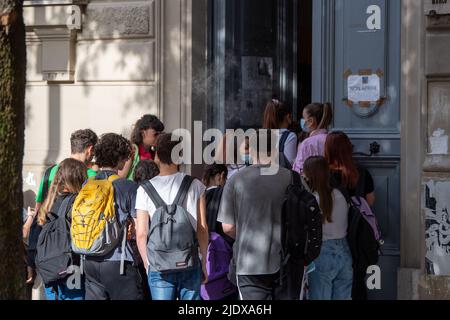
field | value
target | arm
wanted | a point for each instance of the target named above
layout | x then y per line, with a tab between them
31	215
141	235
229	230
202	233
298	164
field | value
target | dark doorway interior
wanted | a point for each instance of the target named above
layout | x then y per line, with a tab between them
259	49
304	70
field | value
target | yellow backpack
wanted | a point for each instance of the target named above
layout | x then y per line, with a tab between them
95	229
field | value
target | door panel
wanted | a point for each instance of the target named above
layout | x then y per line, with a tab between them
360	38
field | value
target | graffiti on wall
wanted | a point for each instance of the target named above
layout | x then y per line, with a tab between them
437	224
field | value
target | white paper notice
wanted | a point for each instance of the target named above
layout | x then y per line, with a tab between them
364	88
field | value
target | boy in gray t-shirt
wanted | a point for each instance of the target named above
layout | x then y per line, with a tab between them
250	212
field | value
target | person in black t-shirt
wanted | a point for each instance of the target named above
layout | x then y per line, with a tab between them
358	182
214	178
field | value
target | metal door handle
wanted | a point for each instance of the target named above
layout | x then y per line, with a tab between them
374	150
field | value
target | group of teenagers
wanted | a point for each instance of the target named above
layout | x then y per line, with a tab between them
170	220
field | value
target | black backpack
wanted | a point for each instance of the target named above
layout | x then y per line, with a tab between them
54	250
35	228
301	236
284	162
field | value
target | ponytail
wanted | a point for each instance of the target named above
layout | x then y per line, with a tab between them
275	114
322	113
327	116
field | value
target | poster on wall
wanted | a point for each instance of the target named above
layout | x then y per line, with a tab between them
437	224
257	88
362	88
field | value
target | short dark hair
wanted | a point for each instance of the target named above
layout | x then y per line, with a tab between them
111	149
145	170
164	147
148	121
213	170
81	140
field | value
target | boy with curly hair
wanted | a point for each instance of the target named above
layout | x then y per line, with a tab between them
104	280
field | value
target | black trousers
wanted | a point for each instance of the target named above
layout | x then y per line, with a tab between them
104	281
258	287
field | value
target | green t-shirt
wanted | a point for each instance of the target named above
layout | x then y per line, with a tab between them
90	173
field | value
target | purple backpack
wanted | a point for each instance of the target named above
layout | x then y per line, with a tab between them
218	260
369	216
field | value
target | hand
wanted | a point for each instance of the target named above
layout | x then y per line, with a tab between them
131	232
30	275
31	212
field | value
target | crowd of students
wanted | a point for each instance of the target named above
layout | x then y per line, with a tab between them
177	237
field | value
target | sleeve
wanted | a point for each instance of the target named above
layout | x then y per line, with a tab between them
303	154
195	193
290	148
227	209
369	186
141	200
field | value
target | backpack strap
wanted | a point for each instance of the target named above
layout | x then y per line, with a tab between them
283	140
184	188
153	194
46	187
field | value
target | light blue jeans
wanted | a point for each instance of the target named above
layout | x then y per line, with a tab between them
333	277
183	285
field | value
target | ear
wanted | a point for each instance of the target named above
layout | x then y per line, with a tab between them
289	118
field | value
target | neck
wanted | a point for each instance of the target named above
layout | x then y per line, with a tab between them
167	170
79	156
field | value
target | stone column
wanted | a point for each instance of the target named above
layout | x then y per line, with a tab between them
435	192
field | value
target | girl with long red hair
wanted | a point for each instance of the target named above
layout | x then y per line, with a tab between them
357	181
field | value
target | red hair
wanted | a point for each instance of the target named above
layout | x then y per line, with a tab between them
339	154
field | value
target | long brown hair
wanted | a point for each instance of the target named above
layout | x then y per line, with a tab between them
317	172
70	177
322	113
339	155
275	114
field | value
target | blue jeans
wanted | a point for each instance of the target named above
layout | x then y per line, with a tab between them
64	293
333	277
182	285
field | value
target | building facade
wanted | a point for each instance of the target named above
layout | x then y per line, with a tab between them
382	63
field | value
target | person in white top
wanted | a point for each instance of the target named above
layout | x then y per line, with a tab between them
183	285
332	278
278	116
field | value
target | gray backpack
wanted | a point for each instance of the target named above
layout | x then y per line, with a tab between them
172	242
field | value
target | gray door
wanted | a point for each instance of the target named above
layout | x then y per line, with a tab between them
356	60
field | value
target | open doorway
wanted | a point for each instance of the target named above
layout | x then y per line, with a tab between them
304	56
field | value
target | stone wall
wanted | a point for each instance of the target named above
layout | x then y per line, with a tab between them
102	65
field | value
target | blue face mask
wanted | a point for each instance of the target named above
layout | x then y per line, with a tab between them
304	126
